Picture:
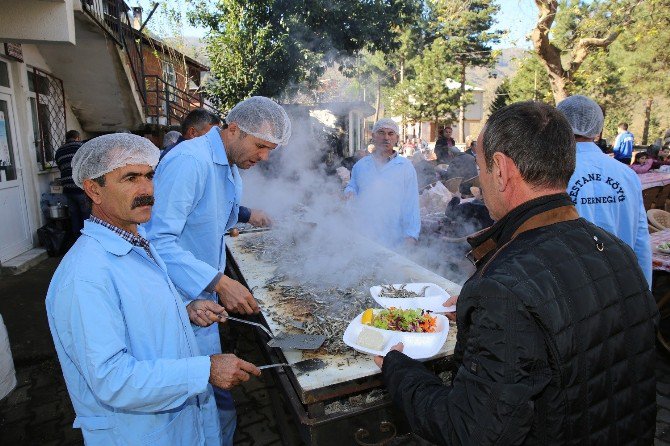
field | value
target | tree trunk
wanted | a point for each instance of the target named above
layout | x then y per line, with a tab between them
558	86
647	117
437	127
461	111
379	101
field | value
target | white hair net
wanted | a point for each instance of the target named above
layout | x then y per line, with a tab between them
170	138
584	115
105	153
386	123
263	118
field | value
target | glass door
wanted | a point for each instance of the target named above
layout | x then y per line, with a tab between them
14	228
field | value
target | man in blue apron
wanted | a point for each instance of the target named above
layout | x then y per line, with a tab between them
198	192
122	331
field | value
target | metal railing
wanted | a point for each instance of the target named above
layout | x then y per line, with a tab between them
168	105
112	16
164	103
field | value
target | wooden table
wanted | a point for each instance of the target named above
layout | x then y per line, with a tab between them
653	179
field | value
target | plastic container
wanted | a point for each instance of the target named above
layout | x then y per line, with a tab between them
416	345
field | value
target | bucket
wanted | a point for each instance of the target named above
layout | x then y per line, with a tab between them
56	211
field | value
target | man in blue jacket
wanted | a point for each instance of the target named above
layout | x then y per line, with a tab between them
623	144
122	332
386	191
198	192
605	191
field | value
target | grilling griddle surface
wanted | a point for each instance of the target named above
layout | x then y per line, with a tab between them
337	368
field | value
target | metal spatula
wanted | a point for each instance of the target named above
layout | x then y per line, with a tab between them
286	340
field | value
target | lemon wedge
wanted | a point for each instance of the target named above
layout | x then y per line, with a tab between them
367	317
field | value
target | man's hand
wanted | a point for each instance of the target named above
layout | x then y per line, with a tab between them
227	371
235	297
448	303
379	360
204	312
259	219
410	242
348	195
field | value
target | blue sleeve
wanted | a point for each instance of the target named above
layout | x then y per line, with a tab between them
617	144
411	220
643	243
353	181
178	186
90	325
244	214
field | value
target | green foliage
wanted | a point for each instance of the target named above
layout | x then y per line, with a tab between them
458	34
600	78
530	82
465	28
501	98
275	47
426	97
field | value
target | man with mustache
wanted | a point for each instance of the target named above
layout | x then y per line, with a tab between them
198	192
386	191
122	331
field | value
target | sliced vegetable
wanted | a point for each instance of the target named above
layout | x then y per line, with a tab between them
412	320
367	316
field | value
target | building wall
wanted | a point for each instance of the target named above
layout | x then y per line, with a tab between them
37	21
155	64
36	180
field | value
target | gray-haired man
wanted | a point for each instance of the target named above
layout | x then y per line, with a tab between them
386	191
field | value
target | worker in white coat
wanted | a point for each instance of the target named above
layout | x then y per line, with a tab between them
198	192
122	332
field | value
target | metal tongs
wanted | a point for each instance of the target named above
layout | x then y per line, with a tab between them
286	340
306	365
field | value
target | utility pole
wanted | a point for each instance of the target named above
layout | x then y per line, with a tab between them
461	111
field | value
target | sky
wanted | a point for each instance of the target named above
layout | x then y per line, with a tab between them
517	17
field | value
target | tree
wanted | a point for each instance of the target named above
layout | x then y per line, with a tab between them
427	96
465	27
581	27
501	98
529	82
276	47
646	57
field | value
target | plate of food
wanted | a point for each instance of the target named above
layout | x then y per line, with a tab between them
664	248
426	296
375	331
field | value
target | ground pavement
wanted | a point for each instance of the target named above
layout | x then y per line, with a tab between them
38	411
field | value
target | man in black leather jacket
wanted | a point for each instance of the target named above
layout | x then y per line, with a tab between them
556	328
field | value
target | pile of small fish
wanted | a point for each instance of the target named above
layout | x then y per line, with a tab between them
401	292
307	307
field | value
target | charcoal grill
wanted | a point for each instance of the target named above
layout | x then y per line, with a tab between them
342	402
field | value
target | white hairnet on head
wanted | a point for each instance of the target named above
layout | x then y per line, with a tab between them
105	153
386	123
584	115
263	118
170	138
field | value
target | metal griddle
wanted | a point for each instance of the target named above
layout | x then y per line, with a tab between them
340	373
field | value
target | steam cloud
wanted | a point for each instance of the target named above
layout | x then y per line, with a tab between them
294	188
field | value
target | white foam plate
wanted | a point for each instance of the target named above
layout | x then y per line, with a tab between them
435	296
416	345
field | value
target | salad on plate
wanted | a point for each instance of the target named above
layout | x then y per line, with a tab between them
396	319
